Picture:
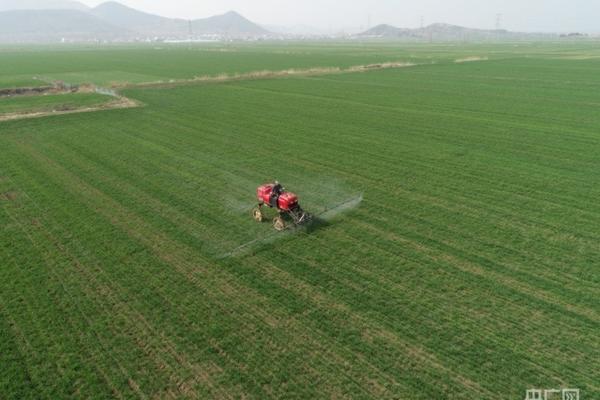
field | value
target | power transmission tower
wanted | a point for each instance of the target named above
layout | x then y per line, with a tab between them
498	27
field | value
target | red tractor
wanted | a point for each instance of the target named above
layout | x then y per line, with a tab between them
274	196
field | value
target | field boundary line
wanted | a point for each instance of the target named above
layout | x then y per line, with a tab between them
123	102
471	59
270	74
120	103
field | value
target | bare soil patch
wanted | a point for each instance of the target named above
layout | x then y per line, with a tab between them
25	91
385	65
9	196
470	59
56	88
123	102
578	57
120	102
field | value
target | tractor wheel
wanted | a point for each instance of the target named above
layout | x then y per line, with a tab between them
257	215
279	224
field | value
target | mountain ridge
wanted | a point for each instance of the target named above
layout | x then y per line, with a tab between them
140	22
230	22
26	25
111	20
447	32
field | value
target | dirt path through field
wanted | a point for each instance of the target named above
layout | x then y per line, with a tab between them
124	102
268	74
470	59
120	102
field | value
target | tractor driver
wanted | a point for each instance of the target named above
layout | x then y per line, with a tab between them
275	193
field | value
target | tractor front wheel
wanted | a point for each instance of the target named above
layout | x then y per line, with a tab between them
257	215
279	224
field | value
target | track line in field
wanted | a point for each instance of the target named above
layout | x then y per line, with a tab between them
205	375
179	257
322	300
471	267
395	287
100	291
317	266
582	311
433	111
46	255
268	74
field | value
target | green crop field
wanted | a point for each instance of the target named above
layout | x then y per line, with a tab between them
116	65
466	265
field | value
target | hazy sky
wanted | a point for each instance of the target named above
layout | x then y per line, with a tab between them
523	15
